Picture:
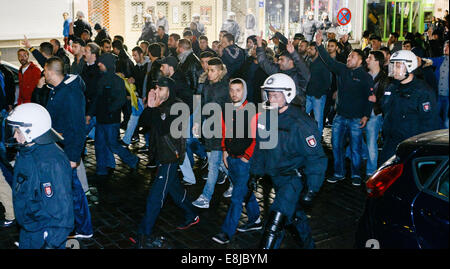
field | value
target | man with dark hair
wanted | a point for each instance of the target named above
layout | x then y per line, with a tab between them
86	36
105	46
237	153
203	44
387	55
375	44
137	78
172	44
393	44
189	64
407	45
61	53
66	106
124	63
101	34
91	75
162	36
233	56
289	63
354	86
169	69
214	91
144	46
29	75
375	64
78	53
194	42
40	93
170	153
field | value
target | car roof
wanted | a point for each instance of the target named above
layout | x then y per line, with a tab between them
435	143
438	137
10	65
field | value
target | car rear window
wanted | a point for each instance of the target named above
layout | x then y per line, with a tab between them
425	169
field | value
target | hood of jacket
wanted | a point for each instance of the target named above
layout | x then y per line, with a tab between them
244	97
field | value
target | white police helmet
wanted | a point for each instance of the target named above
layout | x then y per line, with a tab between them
409	60
279	83
34	122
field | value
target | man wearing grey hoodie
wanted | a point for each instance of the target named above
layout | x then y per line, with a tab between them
237	153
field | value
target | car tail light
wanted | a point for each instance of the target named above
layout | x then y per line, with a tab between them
383	179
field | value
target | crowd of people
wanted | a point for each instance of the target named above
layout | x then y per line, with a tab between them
370	96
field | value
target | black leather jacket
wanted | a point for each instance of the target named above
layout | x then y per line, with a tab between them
192	69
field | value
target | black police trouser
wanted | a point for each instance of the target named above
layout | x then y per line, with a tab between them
287	194
47	238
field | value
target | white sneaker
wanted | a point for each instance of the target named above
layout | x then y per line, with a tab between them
228	192
201	202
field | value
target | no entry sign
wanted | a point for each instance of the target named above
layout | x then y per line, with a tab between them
344	16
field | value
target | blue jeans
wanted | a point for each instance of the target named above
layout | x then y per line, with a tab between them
339	130
193	144
166	182
215	163
239	172
106	144
90	128
82	215
443	105
373	128
133	122
186	169
317	105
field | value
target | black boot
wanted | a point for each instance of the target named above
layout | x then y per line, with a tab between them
273	230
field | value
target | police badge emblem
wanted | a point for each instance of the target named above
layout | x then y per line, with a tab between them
311	141
48	189
163	116
426	106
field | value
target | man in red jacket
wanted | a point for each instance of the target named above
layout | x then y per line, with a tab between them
29	75
237	152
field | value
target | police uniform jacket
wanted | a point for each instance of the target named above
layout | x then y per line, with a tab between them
409	110
66	105
298	146
42	188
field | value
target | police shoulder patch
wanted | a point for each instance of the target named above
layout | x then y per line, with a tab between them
426	106
311	141
48	189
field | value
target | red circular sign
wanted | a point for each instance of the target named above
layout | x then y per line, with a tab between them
344	16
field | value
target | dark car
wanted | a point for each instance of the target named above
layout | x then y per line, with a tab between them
407	205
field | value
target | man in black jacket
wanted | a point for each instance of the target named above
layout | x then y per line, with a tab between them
318	86
61	53
375	63
233	56
189	64
110	98
169	152
101	34
289	63
79	25
355	86
91	75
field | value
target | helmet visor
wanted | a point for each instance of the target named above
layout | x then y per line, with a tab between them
397	70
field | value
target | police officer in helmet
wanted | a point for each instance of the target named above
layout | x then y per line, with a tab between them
42	184
296	153
409	105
